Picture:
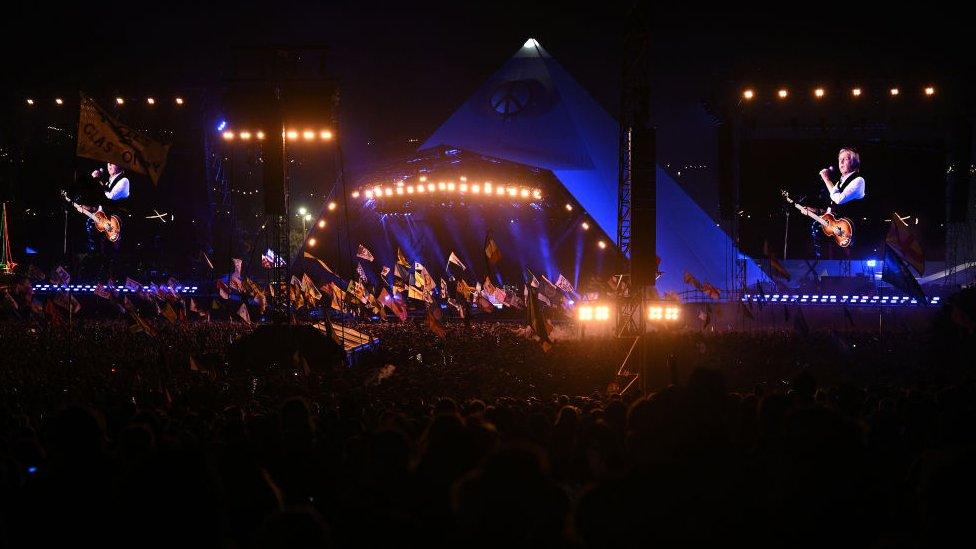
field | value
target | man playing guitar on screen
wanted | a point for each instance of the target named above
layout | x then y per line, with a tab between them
113	194
847	192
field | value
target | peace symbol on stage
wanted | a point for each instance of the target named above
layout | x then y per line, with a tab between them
510	98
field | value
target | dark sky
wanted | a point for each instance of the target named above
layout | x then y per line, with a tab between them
404	67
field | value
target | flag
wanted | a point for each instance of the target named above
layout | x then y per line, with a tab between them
384	271
896	273
169	313
537	320
484	304
338	296
777	268
691	280
402	259
464	289
60	276
398	307
711	291
244	314
102	137
492	252
906	244
238	263
705	315
453	258
132	285
564	285
443	288
103	293
746	311
236	283
434	323
361	272
320	262
364	253
533	281
194	366
222	289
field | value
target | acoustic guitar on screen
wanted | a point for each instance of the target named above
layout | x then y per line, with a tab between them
841	230
108	224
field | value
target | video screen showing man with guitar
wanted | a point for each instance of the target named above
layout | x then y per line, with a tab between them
101	207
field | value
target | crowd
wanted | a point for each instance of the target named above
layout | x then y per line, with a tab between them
110	438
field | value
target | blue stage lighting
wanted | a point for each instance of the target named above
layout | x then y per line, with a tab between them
222	125
871	263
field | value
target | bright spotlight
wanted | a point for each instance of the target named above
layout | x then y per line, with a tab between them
245	136
151	100
321	223
179	100
569	207
302	211
30	101
308	217
818	93
524	193
355	194
442	186
537	194
260	136
783	93
430	187
748	95
119	101
655	313
228	135
423	179
585	225
894	91
585	313
450	186
311	242
602	245
332	206
389	191
292	135
369	194
421	189
856	92
409	189
59	101
601	313
930	90
476	189
325	135
308	135
463	187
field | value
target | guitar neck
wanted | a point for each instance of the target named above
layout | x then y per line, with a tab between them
809	213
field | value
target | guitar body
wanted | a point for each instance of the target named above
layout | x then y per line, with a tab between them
841	230
109	225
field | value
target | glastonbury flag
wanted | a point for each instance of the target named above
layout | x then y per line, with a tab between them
364	253
896	273
104	138
492	252
564	285
453	258
384	271
402	259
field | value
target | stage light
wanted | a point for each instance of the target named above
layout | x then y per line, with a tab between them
423	179
377	191
450	186
409	189
260	136
221	125
783	93
655	312
748	95
150	100
463	178
59	101
321	223
525	193
585	225
421	189
228	135
569	207
441	186
325	135
511	191
871	263
585	313
399	190
818	93
430	187
389	191
487	187
292	135
332	206
930	90
671	313
308	217
311	242
463	187
537	194
475	189
894	91
856	92
308	135
30	101
601	313
302	211
369	194
245	136
355	194
179	100
602	245
499	191
119	101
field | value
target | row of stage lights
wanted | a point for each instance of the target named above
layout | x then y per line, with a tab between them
120	101
290	135
92	287
749	94
601	313
852	299
424	187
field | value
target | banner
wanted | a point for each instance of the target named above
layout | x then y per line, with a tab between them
102	137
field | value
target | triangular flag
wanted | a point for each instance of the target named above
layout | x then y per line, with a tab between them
453	258
244	314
